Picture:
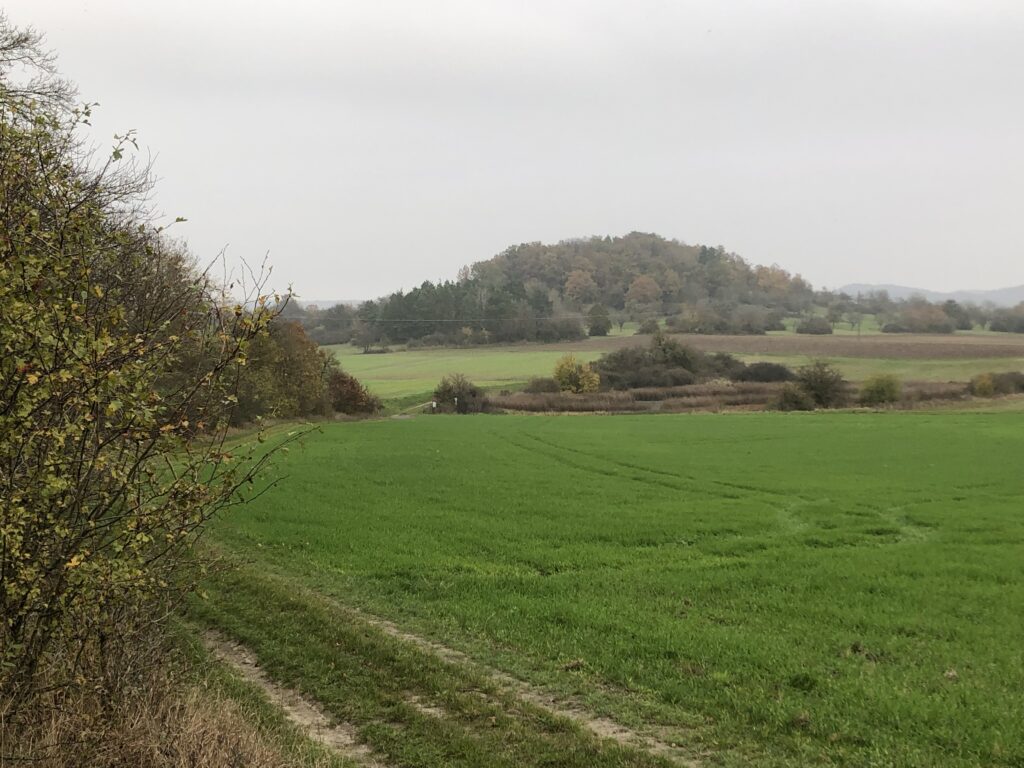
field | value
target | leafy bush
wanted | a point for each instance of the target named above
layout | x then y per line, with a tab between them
824	384
765	372
348	395
658	376
722	365
793	398
648	327
881	390
663	363
457	394
816	326
537	386
574	376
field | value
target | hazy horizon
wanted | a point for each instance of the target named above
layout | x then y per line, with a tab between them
368	147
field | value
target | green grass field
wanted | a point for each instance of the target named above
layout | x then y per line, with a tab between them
413	374
764	589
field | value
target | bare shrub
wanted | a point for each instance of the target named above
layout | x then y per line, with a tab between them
1008	383
823	384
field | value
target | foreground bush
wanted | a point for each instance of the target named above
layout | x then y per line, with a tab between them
882	389
823	384
457	394
118	378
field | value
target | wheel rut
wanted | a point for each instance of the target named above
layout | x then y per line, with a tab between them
602	727
301	710
343	737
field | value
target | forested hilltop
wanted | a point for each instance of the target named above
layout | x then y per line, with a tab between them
538	292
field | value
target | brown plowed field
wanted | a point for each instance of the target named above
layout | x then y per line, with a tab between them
906	346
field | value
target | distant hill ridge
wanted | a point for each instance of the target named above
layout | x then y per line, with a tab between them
1002	297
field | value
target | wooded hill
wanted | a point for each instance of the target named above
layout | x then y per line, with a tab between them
538	292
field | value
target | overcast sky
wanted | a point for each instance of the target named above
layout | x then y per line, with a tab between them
368	146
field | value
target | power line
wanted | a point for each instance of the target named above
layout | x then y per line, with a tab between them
476	319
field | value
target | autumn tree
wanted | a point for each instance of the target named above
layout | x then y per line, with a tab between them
643	290
286	375
580	287
573	375
348	395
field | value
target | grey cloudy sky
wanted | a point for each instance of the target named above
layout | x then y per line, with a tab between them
371	145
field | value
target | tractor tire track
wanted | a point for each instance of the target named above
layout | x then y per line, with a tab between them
302	711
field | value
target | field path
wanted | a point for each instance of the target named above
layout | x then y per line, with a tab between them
602	727
300	710
502	692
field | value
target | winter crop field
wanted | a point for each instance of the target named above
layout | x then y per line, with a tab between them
721	590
